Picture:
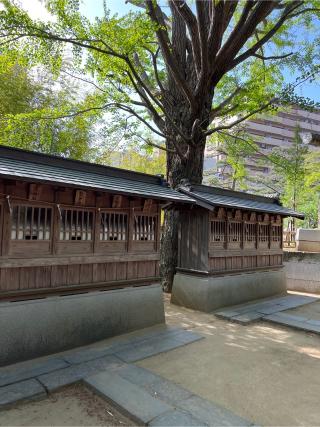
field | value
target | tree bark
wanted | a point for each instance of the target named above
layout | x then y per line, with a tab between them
189	168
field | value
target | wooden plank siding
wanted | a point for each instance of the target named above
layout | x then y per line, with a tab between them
227	240
77	253
253	241
193	238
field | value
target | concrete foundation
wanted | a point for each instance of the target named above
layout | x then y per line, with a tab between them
302	271
38	327
208	293
308	240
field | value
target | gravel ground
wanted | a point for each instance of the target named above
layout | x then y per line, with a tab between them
262	372
72	406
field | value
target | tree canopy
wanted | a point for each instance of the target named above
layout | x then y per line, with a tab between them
209	61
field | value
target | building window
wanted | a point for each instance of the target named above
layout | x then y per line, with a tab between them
234	232
144	227
250	232
113	226
76	224
218	231
276	234
263	232
31	223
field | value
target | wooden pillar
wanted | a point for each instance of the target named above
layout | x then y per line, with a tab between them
130	226
96	230
158	229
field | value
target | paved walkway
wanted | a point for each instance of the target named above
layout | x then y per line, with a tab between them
273	310
107	368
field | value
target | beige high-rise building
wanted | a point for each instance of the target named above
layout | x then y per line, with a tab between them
268	132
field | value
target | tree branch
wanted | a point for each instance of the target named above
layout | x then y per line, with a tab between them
266	58
165	46
241	119
285	15
192	25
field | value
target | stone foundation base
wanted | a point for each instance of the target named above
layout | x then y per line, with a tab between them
38	327
208	293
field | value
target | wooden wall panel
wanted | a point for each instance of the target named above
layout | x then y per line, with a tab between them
132	271
59	275
10	279
111	271
73	276
121	271
86	273
99	272
43	277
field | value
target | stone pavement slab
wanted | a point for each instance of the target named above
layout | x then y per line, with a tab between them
136	375
30	369
18	392
75	373
72	366
249	312
298	322
210	413
133	400
176	417
246	318
148	348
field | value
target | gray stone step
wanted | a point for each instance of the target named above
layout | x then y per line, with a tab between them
24	390
74	373
178	418
30	369
131	399
211	413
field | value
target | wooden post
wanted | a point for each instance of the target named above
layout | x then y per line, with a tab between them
130	226
55	223
158	229
96	230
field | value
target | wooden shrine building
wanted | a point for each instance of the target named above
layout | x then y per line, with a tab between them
230	248
79	253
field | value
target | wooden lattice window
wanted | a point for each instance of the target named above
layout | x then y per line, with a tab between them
113	226
76	224
276	233
234	231
31	223
263	232
144	227
217	231
250	232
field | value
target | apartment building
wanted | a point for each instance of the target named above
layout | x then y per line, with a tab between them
268	132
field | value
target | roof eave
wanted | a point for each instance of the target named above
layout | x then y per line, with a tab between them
87	187
201	201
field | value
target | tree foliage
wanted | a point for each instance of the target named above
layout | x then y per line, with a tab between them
182	69
299	188
30	103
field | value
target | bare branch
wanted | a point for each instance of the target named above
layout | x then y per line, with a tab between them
214	112
191	22
165	46
266	58
241	119
285	15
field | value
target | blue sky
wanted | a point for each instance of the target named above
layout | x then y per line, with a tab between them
93	8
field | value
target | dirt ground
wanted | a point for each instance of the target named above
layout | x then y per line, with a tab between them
72	406
264	373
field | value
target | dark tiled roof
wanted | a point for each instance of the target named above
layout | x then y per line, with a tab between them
21	164
215	196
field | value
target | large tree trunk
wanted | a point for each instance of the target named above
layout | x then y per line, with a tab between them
191	169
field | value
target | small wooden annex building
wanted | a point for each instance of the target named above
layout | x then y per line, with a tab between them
230	248
79	253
